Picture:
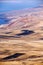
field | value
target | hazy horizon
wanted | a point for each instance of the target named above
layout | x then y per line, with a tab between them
10	5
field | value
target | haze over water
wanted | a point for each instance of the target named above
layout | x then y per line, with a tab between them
10	5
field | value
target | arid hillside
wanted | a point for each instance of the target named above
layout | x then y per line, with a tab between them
21	39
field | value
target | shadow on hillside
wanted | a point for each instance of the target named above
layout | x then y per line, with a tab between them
16	55
23	33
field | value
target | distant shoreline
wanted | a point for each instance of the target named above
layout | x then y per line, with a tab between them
29	9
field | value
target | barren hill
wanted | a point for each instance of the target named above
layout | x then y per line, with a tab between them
21	39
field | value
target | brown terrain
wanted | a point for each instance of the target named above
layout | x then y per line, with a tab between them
21	40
